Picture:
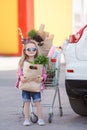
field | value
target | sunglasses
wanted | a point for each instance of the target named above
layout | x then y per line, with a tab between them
31	49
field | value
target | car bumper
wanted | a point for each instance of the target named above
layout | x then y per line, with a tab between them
76	88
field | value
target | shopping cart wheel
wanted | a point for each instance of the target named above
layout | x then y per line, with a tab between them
33	117
50	117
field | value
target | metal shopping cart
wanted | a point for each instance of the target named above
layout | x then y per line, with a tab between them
51	84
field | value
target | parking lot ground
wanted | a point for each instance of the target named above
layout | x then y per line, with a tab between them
11	117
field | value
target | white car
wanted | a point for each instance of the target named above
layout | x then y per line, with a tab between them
76	73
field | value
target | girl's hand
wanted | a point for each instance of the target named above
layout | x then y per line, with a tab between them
39	79
23	79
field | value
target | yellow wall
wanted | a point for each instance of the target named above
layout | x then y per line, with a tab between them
56	15
8	27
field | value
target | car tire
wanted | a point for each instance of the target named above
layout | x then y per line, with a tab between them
78	105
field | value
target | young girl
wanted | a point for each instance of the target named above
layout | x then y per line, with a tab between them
29	52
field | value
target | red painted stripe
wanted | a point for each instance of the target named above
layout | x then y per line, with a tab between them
21	21
25	18
30	14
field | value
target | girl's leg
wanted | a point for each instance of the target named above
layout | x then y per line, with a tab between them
26	114
39	113
26	110
26	99
39	109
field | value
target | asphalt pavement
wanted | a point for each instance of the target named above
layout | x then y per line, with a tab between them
11	116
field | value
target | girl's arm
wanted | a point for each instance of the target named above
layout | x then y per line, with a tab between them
44	75
19	74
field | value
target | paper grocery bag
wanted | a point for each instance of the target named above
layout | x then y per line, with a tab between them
30	86
31	72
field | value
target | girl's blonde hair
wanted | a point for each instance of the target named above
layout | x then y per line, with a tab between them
24	55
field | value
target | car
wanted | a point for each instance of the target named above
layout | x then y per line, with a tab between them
75	53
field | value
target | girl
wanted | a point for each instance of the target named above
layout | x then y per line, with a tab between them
29	52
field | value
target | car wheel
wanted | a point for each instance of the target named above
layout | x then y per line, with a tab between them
78	105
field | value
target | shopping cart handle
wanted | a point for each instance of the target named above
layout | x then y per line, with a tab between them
53	60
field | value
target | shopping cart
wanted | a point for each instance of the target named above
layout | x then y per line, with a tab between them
51	84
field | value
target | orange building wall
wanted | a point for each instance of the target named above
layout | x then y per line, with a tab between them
14	14
8	27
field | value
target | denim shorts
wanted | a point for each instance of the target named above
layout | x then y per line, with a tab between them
27	96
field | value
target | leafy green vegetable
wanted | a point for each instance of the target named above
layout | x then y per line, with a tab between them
41	59
32	33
